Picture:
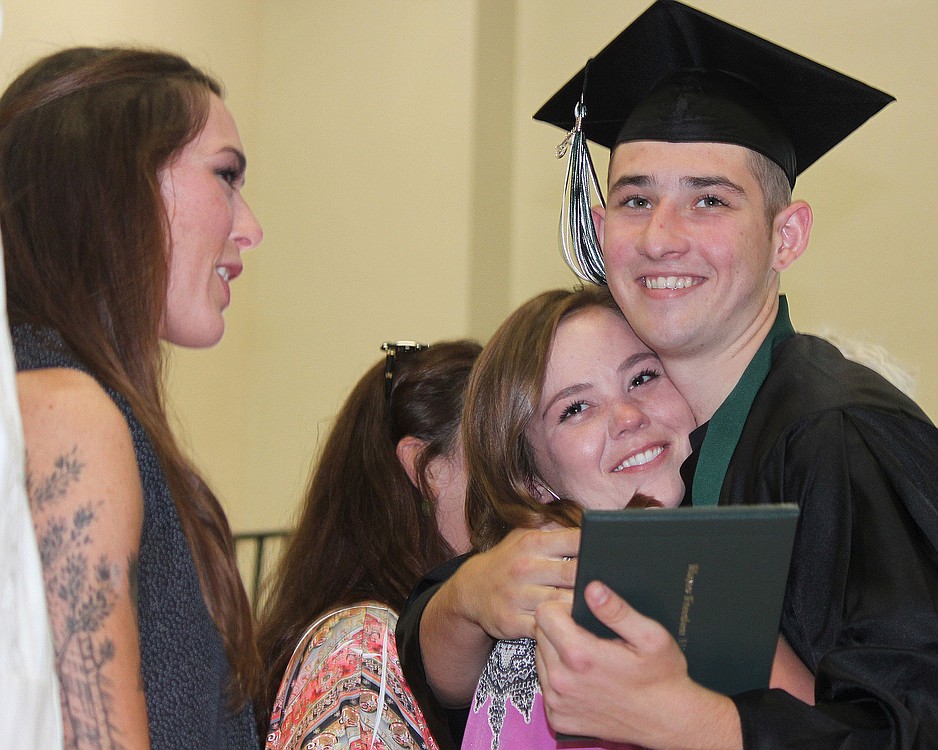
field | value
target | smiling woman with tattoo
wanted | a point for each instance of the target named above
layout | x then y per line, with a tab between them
123	226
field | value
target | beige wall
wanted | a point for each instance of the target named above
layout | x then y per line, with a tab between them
406	192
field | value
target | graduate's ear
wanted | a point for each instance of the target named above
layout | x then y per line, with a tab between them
408	450
790	233
599	220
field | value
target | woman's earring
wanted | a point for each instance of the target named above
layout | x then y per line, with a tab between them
540	484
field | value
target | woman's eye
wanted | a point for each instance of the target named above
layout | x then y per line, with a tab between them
643	377
233	177
572	410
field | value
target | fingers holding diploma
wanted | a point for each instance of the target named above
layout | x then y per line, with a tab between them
625	689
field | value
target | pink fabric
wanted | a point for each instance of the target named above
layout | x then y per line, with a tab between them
507	712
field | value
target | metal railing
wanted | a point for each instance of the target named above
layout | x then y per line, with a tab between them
258	552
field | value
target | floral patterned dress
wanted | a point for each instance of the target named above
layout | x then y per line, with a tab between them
507	712
344	688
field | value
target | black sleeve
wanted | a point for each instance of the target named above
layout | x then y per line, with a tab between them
447	725
861	606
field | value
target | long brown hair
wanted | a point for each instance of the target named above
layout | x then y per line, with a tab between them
84	134
365	532
504	391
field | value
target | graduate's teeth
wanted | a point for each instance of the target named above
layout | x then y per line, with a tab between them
223	272
668	282
640	458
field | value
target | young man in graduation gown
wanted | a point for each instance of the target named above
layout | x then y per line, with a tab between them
709	126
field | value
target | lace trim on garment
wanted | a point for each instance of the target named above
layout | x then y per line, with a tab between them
510	676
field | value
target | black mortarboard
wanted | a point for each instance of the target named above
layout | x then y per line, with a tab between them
677	74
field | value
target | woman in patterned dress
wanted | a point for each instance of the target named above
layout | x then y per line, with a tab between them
384	505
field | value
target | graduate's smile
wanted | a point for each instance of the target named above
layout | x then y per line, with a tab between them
670	282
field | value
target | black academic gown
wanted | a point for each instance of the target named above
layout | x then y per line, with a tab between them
861	607
446	724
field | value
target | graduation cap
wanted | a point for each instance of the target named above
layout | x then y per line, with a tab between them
677	74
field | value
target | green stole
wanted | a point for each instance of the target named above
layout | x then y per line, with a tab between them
726	425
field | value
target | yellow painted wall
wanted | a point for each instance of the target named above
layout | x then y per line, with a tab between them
406	192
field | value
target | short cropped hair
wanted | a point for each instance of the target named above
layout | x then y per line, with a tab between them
776	192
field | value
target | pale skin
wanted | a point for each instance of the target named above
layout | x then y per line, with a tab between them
496	594
82	479
632	684
690	211
447	477
610	423
604	404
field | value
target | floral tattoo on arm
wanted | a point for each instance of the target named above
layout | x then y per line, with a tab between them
81	590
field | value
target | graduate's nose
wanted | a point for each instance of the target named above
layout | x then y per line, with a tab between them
664	233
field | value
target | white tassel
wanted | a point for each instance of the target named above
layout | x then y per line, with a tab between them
579	243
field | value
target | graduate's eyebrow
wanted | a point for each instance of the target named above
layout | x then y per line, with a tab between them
693	182
717	181
632	180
